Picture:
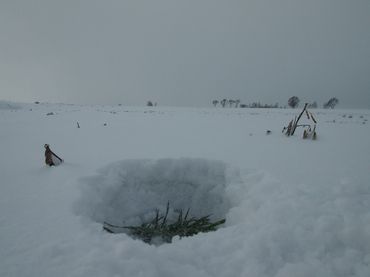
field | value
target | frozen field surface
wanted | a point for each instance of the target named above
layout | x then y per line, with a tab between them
293	207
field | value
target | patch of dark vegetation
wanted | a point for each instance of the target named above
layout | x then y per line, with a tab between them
161	230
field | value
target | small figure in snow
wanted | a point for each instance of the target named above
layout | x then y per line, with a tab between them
50	157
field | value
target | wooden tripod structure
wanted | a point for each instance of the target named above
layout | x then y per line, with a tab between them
309	131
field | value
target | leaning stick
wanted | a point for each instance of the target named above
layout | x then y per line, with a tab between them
299	117
314	120
60	159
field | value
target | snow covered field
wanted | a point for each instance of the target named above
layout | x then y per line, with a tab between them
293	207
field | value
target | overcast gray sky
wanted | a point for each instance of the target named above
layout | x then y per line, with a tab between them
185	53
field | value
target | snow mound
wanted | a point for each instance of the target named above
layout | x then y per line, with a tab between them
128	192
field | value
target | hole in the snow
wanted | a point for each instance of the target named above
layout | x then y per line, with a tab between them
155	192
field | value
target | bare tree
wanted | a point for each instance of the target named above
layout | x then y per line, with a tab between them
223	103
331	103
293	102
215	102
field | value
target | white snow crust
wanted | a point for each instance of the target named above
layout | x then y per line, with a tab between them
293	207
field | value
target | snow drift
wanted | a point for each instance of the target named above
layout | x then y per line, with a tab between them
128	192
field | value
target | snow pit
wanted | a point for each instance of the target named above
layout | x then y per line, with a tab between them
128	193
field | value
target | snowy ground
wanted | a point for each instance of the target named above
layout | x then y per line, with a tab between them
293	207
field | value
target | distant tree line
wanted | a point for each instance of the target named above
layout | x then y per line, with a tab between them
230	103
293	102
227	103
259	105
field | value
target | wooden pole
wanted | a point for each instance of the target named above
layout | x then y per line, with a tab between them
299	117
